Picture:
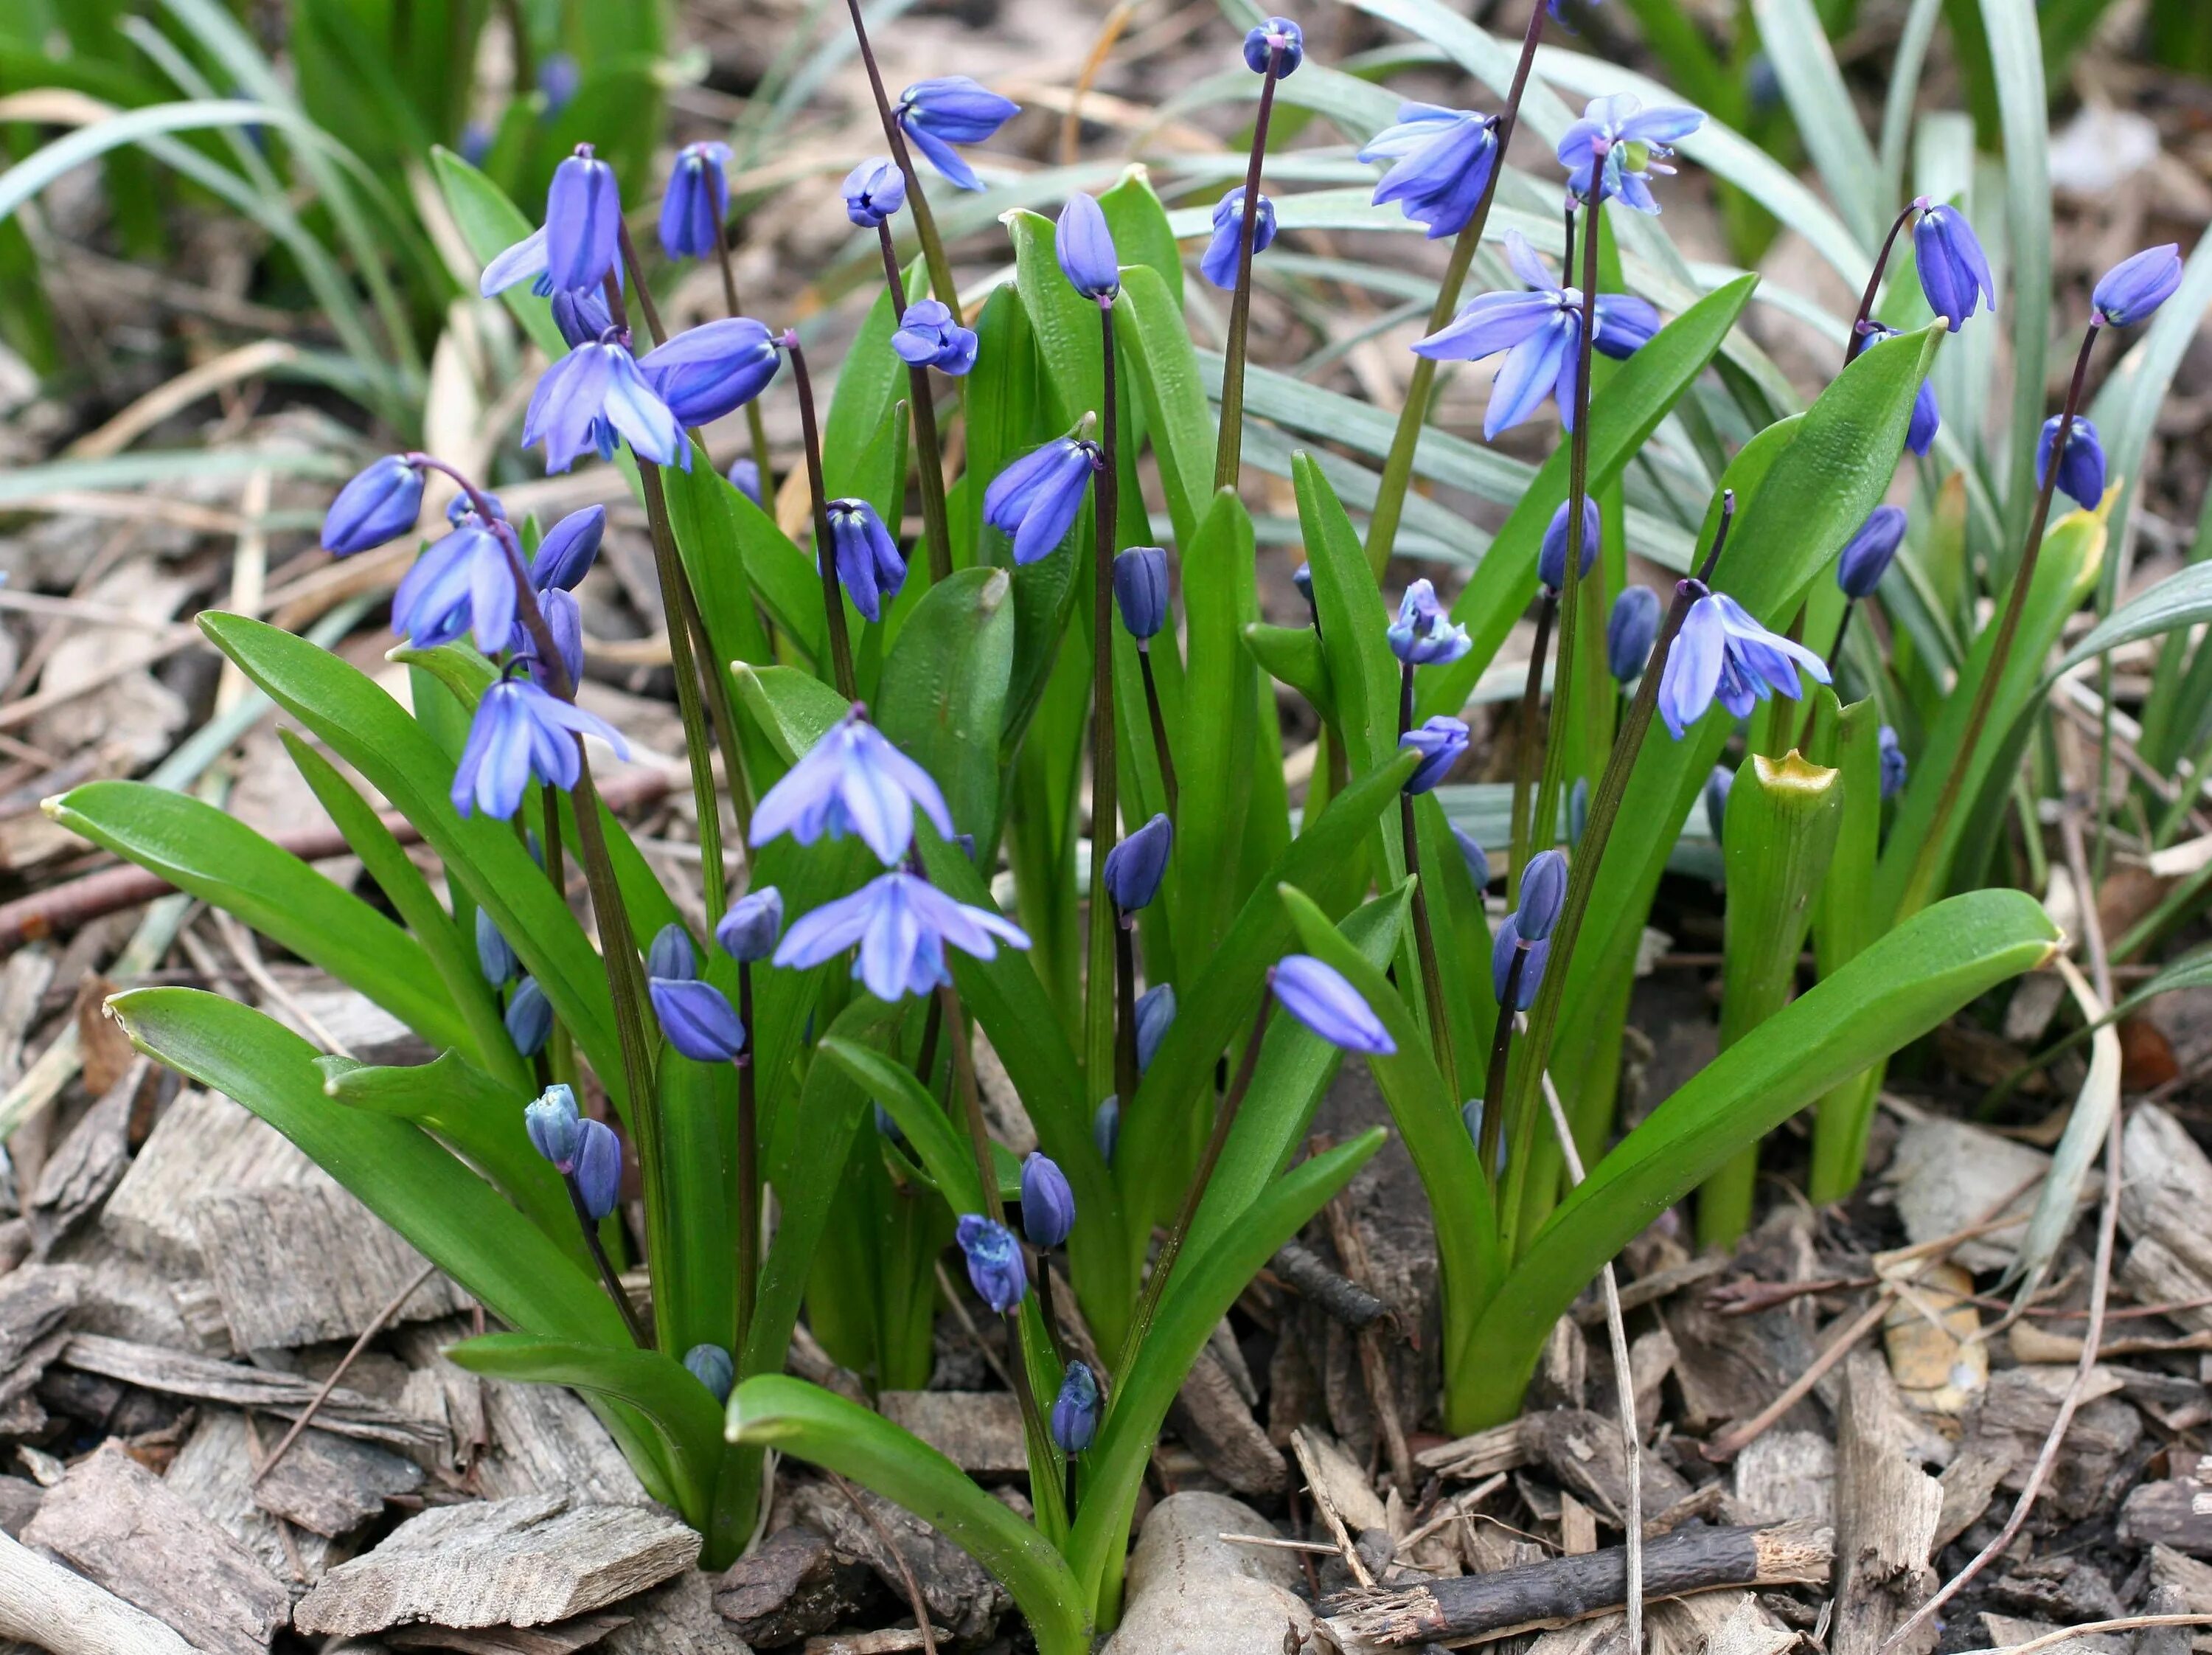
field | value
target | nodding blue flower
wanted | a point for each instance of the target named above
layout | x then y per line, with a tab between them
1724	655
1539	331
1301	578
950	109
1630	632
696	202
529	1017
564	619
463	580
670	955
868	561
1217	264
1892	762
379	502
1320	997
1927	418
1156	1015
583	222
597	1177
558	77
705	372
1279	41
1422	635
929	337
1084	244
1867	556
2137	286
697	1018
1106	1127
995	1269
1074	1422
495	958
1440	741
581	314
593	395
1543	893
1622	324
1954	272
462	507
523	262
711	1367
1552	557
746	478
1442	161
749	931
2081	468
569	548
519	732
1472	853
901	925
1048	1203
1535	956
1141	590
852	781
555	1127
1135	867
874	191
1036	499
1718	785
1618	145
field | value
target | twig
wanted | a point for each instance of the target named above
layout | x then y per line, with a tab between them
2125	1623
898	1561
1298	1268
376	1324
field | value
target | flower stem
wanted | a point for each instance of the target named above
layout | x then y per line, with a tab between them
1229	453
1398	465
748	1160
1105	781
1125	996
825	554
925	222
971	1104
756	426
1532	742
1857	341
1159	727
936	526
1425	937
639	1335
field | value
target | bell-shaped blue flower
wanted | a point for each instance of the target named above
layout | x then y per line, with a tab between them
1724	655
519	732
1927	417
749	931
529	1017
583	222
1141	590
597	1177
1440	741
1472	853
1084	247
1442	161
1866	557
494	957
594	395
995	1269
555	1127
1539	331
1630	632
1074	1422
1217	264
697	1018
670	955
1892	757
1619	146
901	925
874	191
868	561
1622	324
464	580
705	372
2081	468
1048	1203
569	548
581	315
1320	997
2138	285
696	202
1718	785
1035	500
1106	1127
745	476
935	114
927	337
852	781
381	502
1424	635
1135	867
1954	272
1543	893
1278	41
1156	1015
1533	958
711	1367
1552	557
564	619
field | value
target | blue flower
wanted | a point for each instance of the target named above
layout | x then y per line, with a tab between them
1724	655
1443	160
1866	558
1084	244
593	395
1218	262
558	77
1618	145
555	1127
1540	331
463	509
381	502
1718	785
1301	578
711	1367
570	547
1074	1422
696	202
1424	635
901	925
583	221
874	191
1552	557
670	955
1106	1127
1318	995
1630	632
929	337
494	957
1141	589
524	261
749	931
705	372
1279	40
1622	325
745	476
697	1018
1440	741
2137	286
994	1261
1472	853
1535	956
529	1017
1048	1203
581	315
597	1177
950	109
1156	1015
1892	762
1135	867
564	619
2081	468
868	560
1927	418
1035	500
1954	273
466	579
519	732
1543	892
852	781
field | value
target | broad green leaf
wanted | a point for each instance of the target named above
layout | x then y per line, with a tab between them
1214	752
1293	655
489	223
1064	323
1142	237
1162	368
1844	923
794	708
1352	622
947	1156
782	575
694	1289
943	695
871	379
2024	118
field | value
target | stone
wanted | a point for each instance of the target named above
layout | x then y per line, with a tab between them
1948	1175
1191	1592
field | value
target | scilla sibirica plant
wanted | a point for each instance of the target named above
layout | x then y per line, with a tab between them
982	738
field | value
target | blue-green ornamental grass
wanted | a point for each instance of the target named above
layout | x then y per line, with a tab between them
903	727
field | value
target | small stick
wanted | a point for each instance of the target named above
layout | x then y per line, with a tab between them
376	1324
1299	1268
2125	1623
898	1561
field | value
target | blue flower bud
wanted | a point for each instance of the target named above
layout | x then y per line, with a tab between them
1141	588
494	957
598	1174
380	504
555	1127
1533	961
529	1017
1631	631
927	337
887	1126
1156	1014
696	202
1048	1203
463	505
874	191
581	315
1718	785
583	216
564	619
1866	559
1225	251
1106	1127
711	1367
1472	853
1552	560
1301	578
994	1261
670	954
1470	1117
1440	741
1954	272
1135	867
1893	762
1084	247
559	76
705	372
749	931
1074	1422
1319	995
2081	468
698	1018
1280	39
2137	286
745	476
1543	893
1577	809
868	561
1424	635
569	548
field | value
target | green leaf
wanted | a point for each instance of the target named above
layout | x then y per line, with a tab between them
2024	118
1064	323
1293	655
1162	367
2183	599
1143	239
782	575
871	379
1214	760
489	223
794	709
1353	622
944	696
947	1156
1790	35
695	1291
1844	923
